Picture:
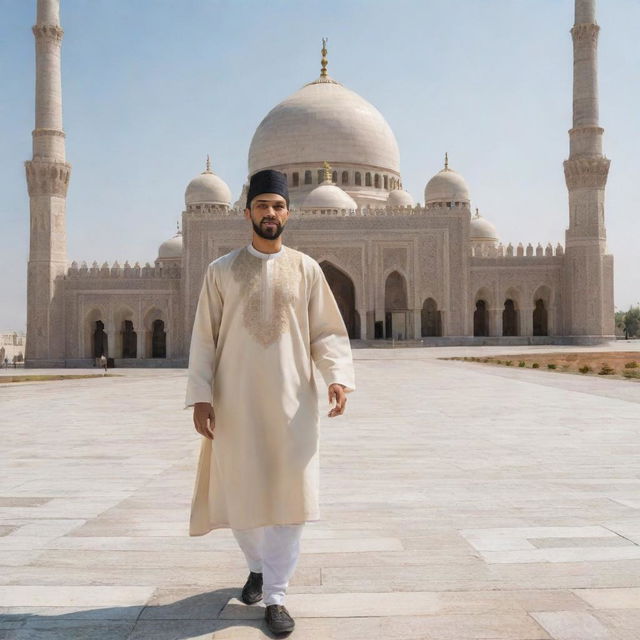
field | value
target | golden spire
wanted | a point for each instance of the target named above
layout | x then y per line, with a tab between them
208	169
446	160
323	71
327	172
477	213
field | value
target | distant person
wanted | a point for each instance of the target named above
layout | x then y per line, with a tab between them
103	362
265	313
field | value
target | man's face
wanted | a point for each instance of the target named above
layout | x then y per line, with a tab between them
268	215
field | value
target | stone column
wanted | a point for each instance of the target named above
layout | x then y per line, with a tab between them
141	343
495	322
417	324
526	321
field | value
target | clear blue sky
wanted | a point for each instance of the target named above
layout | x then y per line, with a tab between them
151	86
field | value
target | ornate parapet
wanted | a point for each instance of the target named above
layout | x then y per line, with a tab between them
586	172
126	272
484	250
47	178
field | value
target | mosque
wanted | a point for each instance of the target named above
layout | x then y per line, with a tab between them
435	272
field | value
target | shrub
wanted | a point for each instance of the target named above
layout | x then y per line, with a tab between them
522	363
535	365
509	363
585	369
498	361
631	374
552	365
631	365
606	370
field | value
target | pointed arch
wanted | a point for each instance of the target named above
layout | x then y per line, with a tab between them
155	338
344	292
126	335
96	340
510	318
395	300
541	305
481	318
431	319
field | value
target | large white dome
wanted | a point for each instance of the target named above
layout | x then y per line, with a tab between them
324	121
482	230
400	198
171	249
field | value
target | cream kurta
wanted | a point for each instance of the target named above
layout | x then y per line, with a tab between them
261	321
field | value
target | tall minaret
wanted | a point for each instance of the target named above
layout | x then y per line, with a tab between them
588	278
47	180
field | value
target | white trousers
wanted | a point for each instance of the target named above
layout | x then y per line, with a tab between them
272	551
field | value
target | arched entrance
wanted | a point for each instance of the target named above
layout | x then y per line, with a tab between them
510	319
158	340
129	340
100	340
540	319
431	319
345	294
481	319
395	305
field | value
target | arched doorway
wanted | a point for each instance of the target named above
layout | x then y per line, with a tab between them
540	319
100	340
431	319
345	294
481	319
129	340
395	305
158	340
510	319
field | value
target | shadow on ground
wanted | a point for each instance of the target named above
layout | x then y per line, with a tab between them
192	617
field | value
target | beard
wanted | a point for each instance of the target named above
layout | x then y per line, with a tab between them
268	234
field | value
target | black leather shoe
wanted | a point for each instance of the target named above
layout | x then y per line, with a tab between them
252	590
278	619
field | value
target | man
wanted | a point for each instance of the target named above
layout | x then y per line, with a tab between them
265	313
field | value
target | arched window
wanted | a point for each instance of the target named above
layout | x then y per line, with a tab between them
358	179
386	182
296	179
286	178
345	177
367	179
320	176
129	340
158	340
510	319
431	319
334	177
376	180
307	177
540	319
100	342
481	319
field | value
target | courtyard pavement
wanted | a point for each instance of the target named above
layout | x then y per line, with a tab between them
459	501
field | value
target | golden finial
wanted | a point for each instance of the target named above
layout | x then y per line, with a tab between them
208	169
323	71
477	213
327	171
446	160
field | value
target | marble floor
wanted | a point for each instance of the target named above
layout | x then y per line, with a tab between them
459	501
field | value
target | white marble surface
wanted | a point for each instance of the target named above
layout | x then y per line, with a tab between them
459	502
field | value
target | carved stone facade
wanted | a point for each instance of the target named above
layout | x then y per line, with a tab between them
435	273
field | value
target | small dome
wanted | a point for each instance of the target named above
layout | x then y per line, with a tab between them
171	249
482	230
446	186
207	188
328	196
400	198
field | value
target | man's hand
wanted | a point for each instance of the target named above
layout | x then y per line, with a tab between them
337	395
204	419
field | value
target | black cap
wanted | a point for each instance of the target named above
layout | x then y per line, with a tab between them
267	181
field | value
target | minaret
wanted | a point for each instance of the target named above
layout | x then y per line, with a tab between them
47	180
588	291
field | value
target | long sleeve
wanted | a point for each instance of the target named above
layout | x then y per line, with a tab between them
330	348
202	353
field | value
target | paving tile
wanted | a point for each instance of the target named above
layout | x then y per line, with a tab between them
572	625
611	598
65	596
